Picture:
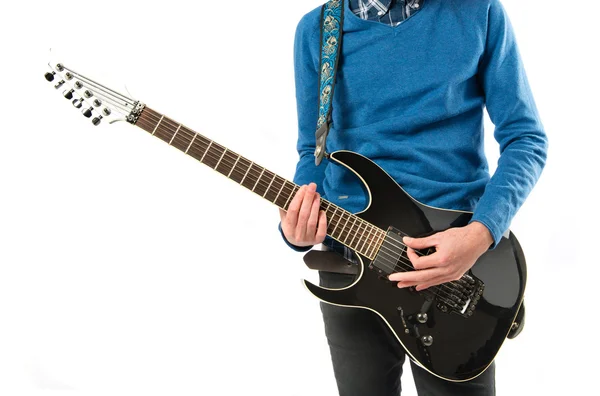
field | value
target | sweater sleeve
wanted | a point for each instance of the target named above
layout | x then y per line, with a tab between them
518	129
306	59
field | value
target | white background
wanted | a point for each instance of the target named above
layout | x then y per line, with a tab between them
129	268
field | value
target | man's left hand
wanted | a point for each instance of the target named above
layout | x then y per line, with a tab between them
456	250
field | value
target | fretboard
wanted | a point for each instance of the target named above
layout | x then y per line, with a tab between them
343	226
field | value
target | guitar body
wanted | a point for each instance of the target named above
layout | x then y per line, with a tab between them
448	344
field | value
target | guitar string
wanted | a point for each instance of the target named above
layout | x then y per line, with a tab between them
406	266
226	159
105	92
102	88
378	236
264	183
152	125
118	107
274	176
391	268
115	102
284	186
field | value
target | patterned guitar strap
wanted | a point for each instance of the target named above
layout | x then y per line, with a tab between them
332	20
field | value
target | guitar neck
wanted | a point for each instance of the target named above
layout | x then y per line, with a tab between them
343	226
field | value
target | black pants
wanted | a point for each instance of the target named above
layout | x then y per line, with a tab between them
367	358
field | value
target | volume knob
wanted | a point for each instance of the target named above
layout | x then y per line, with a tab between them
427	340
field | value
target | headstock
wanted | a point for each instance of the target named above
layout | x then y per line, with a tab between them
94	100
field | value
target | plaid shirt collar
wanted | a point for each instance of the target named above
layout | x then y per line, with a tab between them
391	12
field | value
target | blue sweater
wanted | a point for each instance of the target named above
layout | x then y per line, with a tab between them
411	98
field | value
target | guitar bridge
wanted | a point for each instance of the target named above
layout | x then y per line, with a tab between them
460	296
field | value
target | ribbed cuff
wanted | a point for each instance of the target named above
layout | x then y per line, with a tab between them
496	235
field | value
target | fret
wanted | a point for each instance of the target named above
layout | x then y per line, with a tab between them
271	193
269	186
289	196
333	219
350	229
183	139
220	159
262	182
345	224
175	134
226	164
159	121
366	237
376	240
190	145
356	232
238	175
251	179
261	173
366	251
246	174
233	167
212	155
379	242
339	224
370	246
340	218
206	151
279	192
163	130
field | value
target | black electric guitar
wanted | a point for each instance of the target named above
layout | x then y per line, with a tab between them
453	330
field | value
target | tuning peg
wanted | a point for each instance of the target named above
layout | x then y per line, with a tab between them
78	103
60	67
88	112
96	120
97	102
106	111
88	94
68	76
78	85
59	84
68	94
50	76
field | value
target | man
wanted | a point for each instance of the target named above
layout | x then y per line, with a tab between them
413	81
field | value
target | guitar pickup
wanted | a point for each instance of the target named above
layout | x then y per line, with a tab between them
391	257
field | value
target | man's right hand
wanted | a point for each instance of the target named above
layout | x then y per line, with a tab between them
304	224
